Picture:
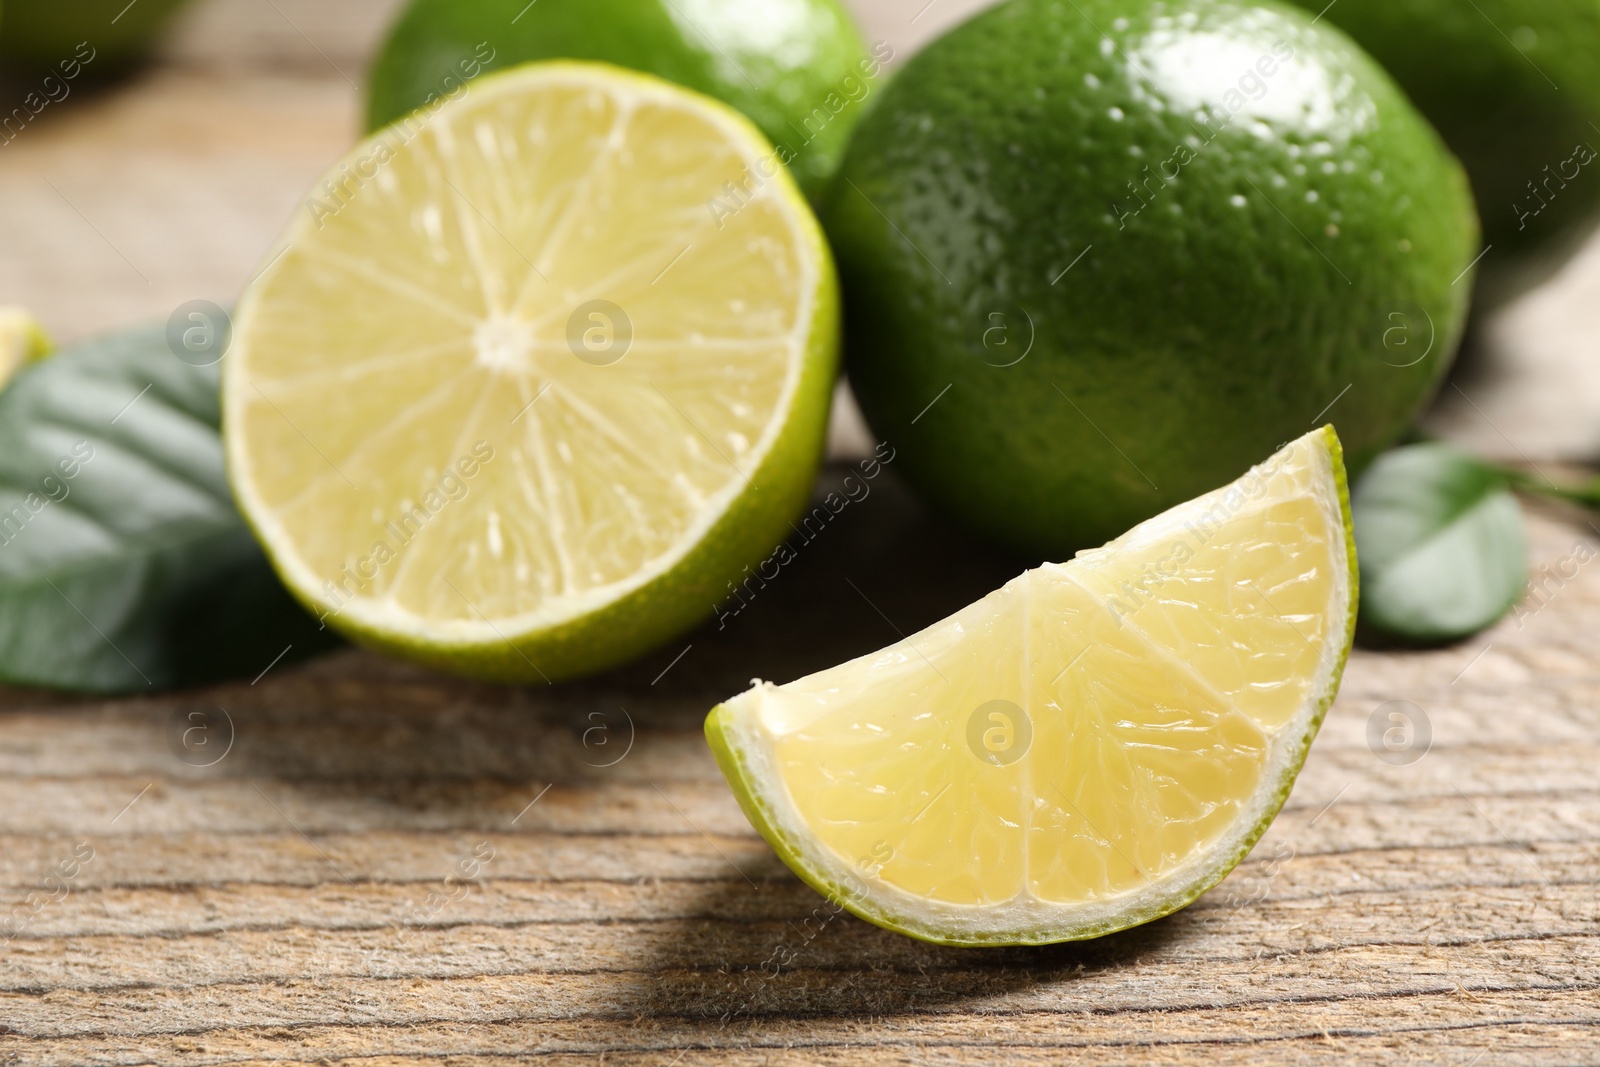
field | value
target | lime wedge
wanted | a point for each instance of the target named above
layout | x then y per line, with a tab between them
1090	747
534	375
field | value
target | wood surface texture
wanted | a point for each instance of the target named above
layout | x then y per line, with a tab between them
386	866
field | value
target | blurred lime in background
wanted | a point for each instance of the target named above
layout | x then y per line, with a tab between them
797	68
37	33
1513	86
1089	275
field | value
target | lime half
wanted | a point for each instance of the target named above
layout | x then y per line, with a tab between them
1088	748
526	385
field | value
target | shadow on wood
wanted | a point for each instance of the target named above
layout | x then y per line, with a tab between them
876	569
821	961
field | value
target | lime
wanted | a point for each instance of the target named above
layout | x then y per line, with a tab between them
99	35
1087	749
1514	89
22	341
797	68
510	399
1090	274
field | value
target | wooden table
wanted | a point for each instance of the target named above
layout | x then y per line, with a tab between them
396	867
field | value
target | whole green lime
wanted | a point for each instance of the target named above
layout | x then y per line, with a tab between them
96	35
1100	257
1513	86
798	68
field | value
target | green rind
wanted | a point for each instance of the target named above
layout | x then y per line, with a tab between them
735	769
685	595
807	55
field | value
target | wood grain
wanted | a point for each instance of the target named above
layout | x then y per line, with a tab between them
305	898
291	902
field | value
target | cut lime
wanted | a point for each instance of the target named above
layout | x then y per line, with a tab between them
535	375
1088	748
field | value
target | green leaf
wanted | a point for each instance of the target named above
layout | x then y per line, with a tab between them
1441	544
124	566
